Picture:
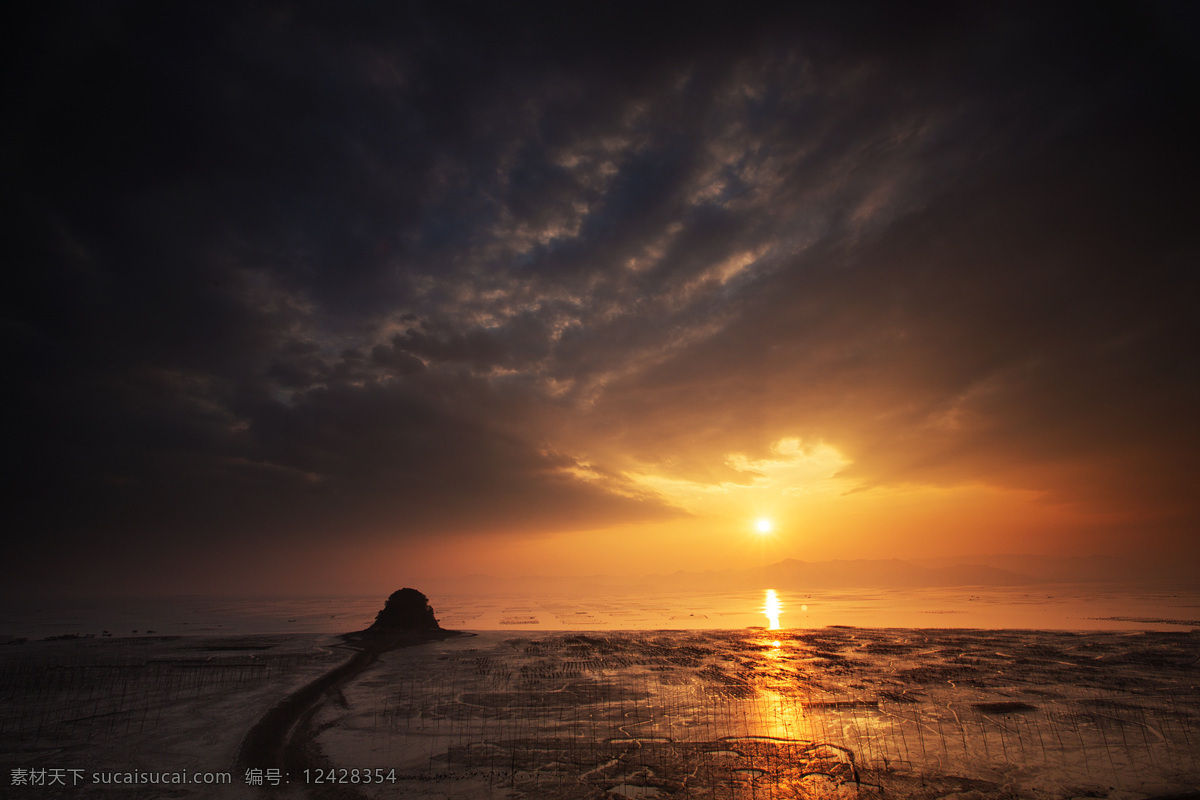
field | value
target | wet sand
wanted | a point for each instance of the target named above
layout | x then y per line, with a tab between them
833	712
830	712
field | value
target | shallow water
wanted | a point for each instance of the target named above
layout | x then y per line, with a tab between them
1063	607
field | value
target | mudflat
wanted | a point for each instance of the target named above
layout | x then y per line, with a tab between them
751	713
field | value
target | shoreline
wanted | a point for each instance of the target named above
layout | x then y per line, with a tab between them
1117	625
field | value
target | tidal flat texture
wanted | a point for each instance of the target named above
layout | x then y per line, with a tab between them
80	714
834	712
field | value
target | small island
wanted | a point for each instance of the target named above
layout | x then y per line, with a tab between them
407	614
279	738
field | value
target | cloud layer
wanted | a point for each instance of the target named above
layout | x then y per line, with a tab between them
291	275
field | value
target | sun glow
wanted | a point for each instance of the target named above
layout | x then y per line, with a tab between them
764	526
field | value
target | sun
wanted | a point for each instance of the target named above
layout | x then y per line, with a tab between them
763	525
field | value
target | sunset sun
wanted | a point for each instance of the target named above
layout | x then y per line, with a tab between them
764	526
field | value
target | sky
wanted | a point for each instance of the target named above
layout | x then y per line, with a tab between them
315	298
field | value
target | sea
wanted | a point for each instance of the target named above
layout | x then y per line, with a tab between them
1082	607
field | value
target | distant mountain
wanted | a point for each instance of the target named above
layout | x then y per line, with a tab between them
887	574
787	574
1077	569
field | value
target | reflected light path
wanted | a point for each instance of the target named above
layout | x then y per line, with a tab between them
772	608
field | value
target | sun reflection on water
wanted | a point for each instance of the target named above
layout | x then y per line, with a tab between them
772	608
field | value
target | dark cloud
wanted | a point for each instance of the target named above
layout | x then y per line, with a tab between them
1027	330
286	272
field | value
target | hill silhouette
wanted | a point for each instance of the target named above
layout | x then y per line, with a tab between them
405	610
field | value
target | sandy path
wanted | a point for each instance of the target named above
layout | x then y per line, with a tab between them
281	738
